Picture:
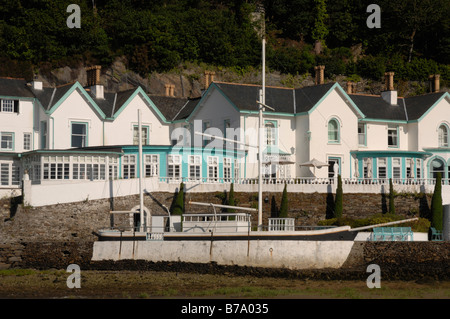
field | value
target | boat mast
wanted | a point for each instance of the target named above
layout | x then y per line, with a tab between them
141	195
262	101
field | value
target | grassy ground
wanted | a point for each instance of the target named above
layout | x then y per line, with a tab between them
46	284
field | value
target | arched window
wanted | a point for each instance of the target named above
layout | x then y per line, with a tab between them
437	166
270	133
443	136
333	131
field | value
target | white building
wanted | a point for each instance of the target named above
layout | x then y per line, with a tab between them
67	133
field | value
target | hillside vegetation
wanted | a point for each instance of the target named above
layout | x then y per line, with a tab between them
162	35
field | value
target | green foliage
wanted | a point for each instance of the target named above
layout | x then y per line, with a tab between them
231	200
436	205
391	197
338	204
274	213
284	204
320	31
178	206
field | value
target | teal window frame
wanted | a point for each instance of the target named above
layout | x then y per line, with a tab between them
390	128
446	128
12	141
274	131
338	131
86	136
364	126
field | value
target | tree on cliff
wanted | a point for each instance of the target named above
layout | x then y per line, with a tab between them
436	204
338	207
284	204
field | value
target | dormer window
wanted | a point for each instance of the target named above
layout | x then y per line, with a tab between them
443	136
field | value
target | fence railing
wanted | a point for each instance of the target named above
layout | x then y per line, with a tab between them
306	181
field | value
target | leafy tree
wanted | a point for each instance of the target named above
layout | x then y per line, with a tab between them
436	205
338	204
284	203
320	31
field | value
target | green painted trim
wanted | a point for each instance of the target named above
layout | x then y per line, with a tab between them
391	153
384	121
74	151
86	124
438	150
75	86
10	97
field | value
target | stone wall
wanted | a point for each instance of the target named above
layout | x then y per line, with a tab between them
79	221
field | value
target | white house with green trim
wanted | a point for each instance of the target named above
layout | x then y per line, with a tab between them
71	133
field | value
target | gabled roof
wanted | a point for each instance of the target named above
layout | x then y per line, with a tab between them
418	106
15	88
374	107
174	108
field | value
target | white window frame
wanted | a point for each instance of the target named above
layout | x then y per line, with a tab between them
151	165
174	166
227	169
396	168
129	166
145	134
443	135
380	166
213	168
27	141
392	132
195	167
7	106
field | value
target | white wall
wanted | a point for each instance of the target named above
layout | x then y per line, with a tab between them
120	131
74	109
333	106
18	123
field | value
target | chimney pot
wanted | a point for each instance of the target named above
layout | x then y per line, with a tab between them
436	83
167	87
319	74
172	90
349	87
389	79
93	75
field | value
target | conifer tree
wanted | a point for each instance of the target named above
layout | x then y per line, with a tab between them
338	207
178	207
436	205
391	197
231	200
284	204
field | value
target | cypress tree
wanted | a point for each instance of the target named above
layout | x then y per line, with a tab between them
273	208
231	200
436	205
284	204
178	207
391	197
338	208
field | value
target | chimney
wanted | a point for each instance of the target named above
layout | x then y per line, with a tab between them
319	74
211	74
172	90
167	87
349	87
434	83
36	85
389	95
93	81
207	79
93	75
389	80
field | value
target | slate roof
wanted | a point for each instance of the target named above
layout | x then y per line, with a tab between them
15	88
243	96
